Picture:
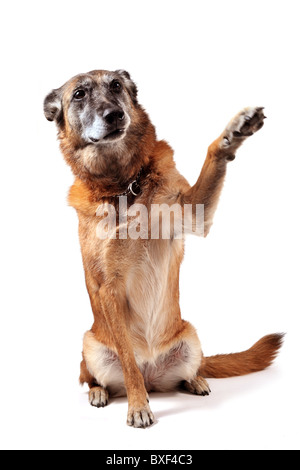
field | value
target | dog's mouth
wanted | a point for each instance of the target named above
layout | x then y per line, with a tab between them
110	137
114	134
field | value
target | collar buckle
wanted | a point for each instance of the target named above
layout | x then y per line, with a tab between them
134	188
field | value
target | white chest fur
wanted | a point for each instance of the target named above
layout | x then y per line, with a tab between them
148	290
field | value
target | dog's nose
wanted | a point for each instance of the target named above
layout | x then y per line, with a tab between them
113	116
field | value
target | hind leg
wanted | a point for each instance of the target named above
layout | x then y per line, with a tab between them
179	366
98	395
197	386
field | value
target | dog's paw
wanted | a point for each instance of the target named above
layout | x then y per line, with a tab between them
197	386
98	397
140	418
243	125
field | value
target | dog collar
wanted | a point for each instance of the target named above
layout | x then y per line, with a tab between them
133	188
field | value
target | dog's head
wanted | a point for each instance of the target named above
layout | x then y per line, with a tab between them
102	128
97	107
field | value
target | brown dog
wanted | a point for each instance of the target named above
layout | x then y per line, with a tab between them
138	342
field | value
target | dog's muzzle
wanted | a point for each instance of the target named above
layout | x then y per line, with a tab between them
114	126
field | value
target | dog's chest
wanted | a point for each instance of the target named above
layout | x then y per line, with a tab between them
148	271
151	289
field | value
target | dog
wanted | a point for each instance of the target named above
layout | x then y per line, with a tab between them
139	343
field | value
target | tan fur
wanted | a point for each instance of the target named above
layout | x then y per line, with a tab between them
139	342
257	358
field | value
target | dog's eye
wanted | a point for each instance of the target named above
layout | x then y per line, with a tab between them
79	94
116	86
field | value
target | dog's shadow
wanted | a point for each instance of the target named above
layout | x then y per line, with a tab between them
223	390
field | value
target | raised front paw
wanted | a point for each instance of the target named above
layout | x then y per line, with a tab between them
243	125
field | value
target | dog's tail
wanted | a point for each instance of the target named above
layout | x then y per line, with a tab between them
255	359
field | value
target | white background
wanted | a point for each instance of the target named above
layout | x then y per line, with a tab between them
196	63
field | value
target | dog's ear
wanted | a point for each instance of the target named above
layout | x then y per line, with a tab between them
129	83
53	106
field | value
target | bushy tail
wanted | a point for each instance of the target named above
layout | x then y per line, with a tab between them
255	359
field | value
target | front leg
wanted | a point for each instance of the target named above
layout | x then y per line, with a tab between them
113	301
208	188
